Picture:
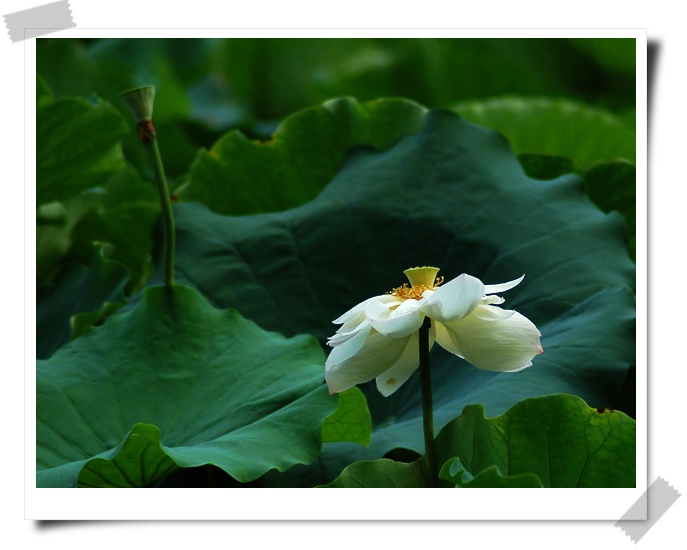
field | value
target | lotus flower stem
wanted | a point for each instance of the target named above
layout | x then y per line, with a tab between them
427	407
140	101
167	216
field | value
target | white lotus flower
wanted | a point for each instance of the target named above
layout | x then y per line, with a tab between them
379	337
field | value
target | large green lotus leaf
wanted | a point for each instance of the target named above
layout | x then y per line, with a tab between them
77	147
559	438
220	390
583	133
455	196
239	176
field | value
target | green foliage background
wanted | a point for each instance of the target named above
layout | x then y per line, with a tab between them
257	151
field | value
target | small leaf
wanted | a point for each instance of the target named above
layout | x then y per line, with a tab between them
351	421
382	473
454	472
553	441
137	462
558	438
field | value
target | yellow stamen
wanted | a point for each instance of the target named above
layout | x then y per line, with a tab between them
421	279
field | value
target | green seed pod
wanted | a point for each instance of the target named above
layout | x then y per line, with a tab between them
140	101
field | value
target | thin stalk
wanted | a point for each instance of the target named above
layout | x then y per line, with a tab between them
427	407
167	216
140	101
